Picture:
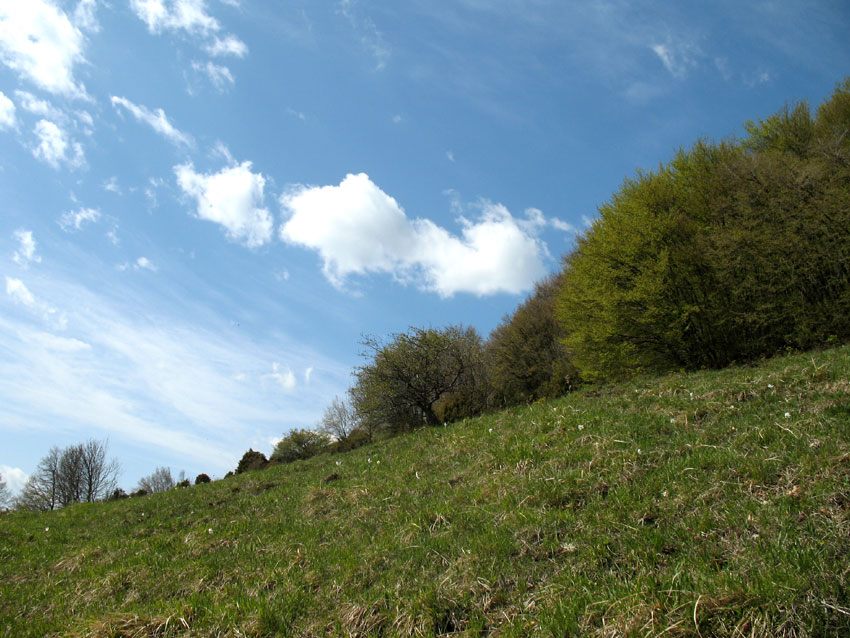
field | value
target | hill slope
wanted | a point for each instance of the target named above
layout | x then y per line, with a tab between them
715	503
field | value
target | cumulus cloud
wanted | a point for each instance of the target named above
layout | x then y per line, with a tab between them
7	112
55	147
41	44
156	119
357	228
26	248
219	75
74	220
14	477
233	198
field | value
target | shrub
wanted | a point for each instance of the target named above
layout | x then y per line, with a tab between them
202	478
300	444
252	460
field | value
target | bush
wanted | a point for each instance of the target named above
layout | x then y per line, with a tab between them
526	356
202	478
252	460
300	444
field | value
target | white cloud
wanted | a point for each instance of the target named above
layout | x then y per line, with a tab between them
678	57
36	106
55	147
40	43
233	198
74	220
560	224
308	373
26	248
155	119
173	15
357	228
14	477
370	37
21	295
285	379
84	17
219	75
112	185
143	263
229	45
16	289
7	112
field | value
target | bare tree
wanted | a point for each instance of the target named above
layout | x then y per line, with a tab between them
73	475
339	419
5	496
40	492
70	478
159	481
99	477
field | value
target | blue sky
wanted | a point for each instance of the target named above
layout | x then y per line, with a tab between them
205	204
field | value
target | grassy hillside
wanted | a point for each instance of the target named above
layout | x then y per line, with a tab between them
709	504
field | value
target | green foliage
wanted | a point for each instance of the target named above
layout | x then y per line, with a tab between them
421	377
525	354
252	460
730	252
299	445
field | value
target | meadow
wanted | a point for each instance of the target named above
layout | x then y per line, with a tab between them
713	503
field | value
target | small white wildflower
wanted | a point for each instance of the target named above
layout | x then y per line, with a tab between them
377	462
672	419
369	459
490	430
787	415
770	385
639	452
580	426
46	529
209	531
664	493
417	476
339	462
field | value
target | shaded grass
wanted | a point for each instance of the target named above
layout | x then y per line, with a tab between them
709	504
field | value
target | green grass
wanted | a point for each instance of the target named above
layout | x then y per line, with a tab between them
708	504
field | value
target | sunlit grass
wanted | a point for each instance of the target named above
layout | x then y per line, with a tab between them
710	504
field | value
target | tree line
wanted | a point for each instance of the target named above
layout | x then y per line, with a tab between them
731	251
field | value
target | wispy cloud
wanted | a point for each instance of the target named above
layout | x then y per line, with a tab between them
370	37
228	46
156	119
18	292
74	220
25	254
219	75
175	387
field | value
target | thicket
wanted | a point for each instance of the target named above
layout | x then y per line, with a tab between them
733	251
